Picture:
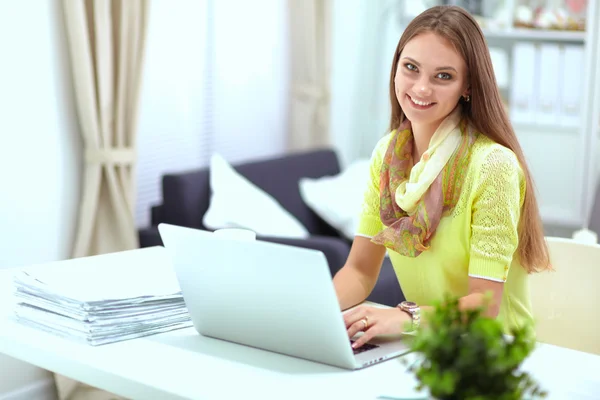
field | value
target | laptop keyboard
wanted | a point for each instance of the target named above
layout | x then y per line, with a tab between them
363	348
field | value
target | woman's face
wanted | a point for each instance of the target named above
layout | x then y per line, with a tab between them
430	79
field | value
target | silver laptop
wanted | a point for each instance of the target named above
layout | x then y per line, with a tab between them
269	296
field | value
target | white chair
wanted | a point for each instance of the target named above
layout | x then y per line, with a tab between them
566	302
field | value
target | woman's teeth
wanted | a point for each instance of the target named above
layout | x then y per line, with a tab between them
420	103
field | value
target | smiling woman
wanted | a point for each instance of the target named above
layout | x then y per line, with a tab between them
450	197
434	84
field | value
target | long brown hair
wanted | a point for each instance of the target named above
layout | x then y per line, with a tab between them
485	112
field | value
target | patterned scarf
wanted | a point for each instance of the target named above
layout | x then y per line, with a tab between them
414	198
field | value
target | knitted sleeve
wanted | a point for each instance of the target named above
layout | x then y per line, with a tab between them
370	222
497	199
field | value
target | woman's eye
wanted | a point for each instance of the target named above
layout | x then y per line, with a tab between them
410	66
444	76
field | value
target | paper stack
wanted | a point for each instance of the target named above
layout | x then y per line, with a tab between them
103	299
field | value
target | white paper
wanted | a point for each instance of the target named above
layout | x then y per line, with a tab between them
128	275
102	299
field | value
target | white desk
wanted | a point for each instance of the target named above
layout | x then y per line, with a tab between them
185	365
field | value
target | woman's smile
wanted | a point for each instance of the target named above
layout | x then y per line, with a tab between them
419	104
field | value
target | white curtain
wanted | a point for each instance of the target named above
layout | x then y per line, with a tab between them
310	39
106	44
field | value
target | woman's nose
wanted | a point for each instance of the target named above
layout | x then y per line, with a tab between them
422	88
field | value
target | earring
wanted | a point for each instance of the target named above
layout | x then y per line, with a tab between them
467	98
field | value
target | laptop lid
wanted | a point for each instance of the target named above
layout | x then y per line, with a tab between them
266	295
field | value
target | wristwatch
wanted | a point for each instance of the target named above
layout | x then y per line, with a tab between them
414	311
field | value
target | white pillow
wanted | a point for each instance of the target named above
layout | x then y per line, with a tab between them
338	199
238	203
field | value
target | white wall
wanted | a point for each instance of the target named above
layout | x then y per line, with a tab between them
230	97
251	78
172	120
364	37
39	150
346	45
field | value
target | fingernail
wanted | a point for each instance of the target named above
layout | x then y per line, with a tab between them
354	345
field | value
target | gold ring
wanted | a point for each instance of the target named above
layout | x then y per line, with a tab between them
366	322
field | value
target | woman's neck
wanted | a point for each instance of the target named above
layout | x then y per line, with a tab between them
422	135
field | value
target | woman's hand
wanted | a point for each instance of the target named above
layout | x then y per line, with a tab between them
374	321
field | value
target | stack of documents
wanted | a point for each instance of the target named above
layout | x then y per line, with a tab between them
103	299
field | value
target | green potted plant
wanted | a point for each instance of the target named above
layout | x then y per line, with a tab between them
464	355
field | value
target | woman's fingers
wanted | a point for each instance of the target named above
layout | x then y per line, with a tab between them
365	337
373	321
354	315
359	314
358	326
361	319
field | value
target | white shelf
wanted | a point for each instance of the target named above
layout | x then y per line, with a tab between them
535	34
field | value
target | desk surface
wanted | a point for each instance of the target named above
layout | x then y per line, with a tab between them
185	365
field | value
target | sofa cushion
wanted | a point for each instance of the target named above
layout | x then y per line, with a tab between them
186	195
238	203
338	199
279	176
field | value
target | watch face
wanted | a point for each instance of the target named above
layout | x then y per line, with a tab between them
409	304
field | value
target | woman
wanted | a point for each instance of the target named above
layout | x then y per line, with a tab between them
450	197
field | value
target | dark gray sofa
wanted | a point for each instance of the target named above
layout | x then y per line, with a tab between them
186	199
